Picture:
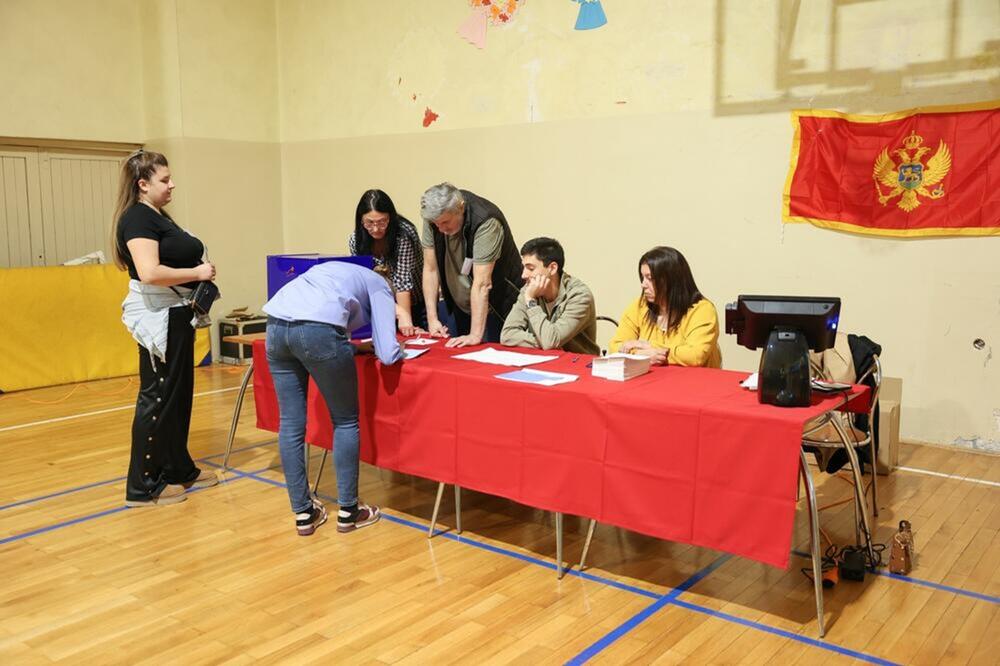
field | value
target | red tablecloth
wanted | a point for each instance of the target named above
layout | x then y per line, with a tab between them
683	454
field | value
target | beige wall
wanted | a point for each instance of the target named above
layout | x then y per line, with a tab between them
668	125
211	86
195	80
71	70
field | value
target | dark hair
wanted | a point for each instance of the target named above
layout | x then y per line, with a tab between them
546	249
140	165
379	202
675	290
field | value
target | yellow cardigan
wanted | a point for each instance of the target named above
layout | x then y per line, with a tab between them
694	342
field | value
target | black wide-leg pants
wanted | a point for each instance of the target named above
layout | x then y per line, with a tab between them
163	414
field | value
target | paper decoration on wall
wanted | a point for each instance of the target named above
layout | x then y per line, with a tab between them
497	12
591	15
429	117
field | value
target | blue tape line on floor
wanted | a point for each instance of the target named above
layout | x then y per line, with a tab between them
618	632
926	583
49	528
96	484
521	556
628	625
60	493
940	586
662	600
88	517
671	598
816	642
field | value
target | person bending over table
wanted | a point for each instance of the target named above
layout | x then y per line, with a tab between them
671	322
470	254
393	242
309	325
555	310
164	264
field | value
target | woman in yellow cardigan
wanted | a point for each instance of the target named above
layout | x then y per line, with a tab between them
671	322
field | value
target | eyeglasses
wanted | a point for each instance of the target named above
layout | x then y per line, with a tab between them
369	224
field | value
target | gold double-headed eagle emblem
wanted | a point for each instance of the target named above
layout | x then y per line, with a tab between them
911	177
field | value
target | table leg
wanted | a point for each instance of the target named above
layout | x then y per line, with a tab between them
871	454
559	545
236	415
319	473
458	509
437	506
814	543
586	544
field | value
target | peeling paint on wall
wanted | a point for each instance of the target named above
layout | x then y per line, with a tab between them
978	444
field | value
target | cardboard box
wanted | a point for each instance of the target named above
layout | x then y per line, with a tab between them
890	400
230	352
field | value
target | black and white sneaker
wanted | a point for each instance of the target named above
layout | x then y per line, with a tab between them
362	515
307	522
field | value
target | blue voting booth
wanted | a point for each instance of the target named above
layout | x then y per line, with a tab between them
283	268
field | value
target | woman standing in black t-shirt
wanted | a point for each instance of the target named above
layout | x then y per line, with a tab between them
164	263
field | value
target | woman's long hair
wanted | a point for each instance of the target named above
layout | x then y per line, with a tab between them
673	284
379	202
140	165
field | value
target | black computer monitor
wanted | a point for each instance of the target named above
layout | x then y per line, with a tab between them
752	318
786	328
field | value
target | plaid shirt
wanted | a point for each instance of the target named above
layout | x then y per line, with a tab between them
407	274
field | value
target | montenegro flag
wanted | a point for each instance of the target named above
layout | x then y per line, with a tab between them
922	172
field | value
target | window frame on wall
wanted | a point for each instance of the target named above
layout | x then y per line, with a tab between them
56	198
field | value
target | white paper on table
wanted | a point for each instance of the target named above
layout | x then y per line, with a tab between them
497	357
750	382
422	341
413	353
540	377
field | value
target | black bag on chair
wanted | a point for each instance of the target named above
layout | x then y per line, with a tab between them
862	351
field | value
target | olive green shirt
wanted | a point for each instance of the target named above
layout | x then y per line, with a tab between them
569	322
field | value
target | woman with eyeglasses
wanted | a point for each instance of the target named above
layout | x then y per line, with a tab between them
392	240
165	264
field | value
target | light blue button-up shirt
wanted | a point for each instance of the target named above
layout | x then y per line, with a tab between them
342	294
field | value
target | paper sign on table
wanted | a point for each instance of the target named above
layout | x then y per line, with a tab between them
497	357
540	377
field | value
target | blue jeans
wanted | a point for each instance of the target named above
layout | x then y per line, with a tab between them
295	352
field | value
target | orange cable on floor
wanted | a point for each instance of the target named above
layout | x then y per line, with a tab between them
71	392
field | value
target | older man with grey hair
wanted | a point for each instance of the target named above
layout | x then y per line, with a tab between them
466	238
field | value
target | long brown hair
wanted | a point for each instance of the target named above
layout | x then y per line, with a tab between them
140	165
675	290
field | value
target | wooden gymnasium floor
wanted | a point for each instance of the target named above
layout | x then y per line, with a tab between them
224	578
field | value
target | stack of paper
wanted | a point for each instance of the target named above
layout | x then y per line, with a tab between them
620	366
